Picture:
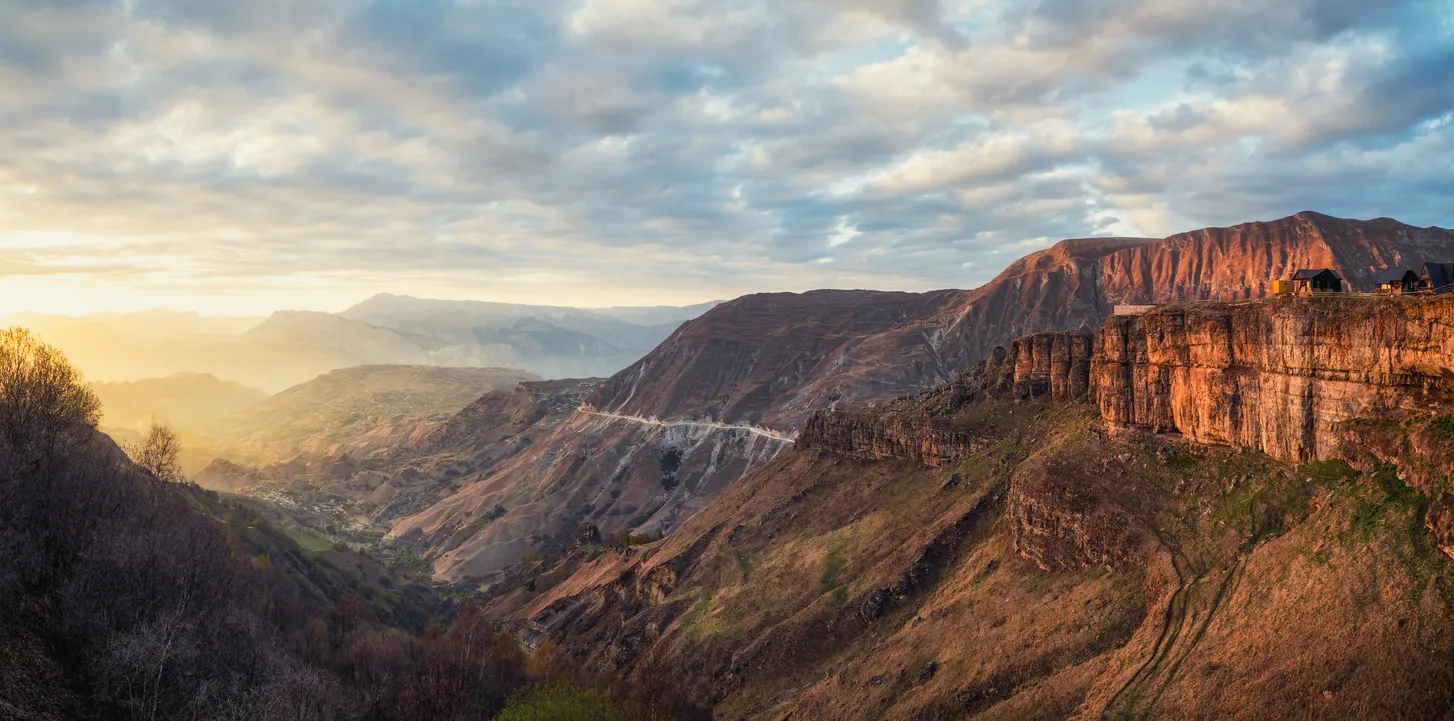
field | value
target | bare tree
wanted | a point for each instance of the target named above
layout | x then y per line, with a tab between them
157	455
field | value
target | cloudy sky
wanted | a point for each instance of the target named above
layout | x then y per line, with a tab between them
237	157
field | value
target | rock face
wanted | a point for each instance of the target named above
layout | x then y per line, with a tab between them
920	427
1054	365
1062	524
1283	377
1077	282
1276	376
879	436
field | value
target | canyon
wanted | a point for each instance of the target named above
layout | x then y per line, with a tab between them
1143	520
772	361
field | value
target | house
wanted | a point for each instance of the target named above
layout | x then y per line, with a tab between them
1397	281
1316	280
1437	277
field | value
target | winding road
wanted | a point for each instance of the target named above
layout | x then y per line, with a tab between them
764	432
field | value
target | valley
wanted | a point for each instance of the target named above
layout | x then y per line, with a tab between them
1012	502
724	360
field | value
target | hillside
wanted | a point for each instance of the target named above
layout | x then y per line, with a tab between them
360	411
125	596
1013	545
775	359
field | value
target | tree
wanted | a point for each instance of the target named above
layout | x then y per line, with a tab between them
157	455
44	401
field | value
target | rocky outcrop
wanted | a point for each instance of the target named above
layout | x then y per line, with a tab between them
922	427
878	436
1276	376
1054	365
1440	522
1061	523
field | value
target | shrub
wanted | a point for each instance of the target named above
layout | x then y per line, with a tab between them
562	702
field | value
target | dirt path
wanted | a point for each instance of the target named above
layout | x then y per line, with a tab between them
764	432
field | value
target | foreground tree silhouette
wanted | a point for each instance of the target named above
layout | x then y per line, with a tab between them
44	401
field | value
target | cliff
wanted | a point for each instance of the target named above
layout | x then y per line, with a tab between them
1076	283
1281	377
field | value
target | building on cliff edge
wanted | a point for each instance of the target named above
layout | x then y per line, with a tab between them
1437	277
1310	280
1397	281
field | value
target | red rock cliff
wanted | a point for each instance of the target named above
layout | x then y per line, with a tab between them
1274	376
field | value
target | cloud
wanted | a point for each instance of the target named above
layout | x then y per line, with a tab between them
615	151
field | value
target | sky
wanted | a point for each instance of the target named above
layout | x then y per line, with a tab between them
240	157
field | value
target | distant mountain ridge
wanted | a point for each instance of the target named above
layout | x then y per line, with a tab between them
291	347
553	341
189	400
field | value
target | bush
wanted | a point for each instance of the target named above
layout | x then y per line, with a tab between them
562	703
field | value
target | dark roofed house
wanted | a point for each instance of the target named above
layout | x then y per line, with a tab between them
1317	280
1437	277
1397	281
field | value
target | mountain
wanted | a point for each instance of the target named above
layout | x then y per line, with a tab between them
774	359
186	401
359	411
291	347
350	339
1210	510
553	341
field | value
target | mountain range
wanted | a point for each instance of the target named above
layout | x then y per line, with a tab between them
291	347
774	359
654	443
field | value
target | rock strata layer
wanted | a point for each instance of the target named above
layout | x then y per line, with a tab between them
921	427
1275	376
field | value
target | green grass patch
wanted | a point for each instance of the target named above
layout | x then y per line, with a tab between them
832	569
744	563
1328	473
562	703
408	564
1442	428
692	622
308	541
